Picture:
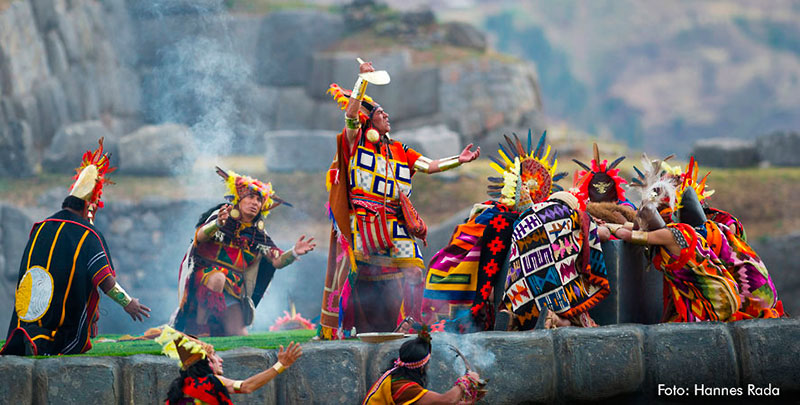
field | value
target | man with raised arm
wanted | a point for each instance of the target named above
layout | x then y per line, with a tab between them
374	276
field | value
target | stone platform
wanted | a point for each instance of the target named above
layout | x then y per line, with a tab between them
625	362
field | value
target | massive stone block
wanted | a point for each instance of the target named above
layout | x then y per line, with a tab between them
289	39
769	353
304	150
244	362
601	362
688	354
16	149
342	68
76	380
16	386
434	142
14	228
157	150
146	378
72	141
23	60
520	366
328	373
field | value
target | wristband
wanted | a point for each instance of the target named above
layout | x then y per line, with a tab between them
278	367
119	295
639	237
448	163
237	386
294	253
210	228
352	123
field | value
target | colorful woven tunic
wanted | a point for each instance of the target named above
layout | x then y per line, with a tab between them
376	179
697	286
391	390
237	250
369	239
756	289
555	262
64	262
461	276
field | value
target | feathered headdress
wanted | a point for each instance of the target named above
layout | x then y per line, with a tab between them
342	97
656	185
602	177
524	168
179	346
689	179
90	176
240	186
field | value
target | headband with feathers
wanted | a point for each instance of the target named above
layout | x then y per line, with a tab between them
584	177
532	167
90	176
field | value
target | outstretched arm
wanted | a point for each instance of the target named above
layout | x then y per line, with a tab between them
285	359
426	165
301	247
662	237
113	290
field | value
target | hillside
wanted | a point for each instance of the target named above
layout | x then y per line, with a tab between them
654	75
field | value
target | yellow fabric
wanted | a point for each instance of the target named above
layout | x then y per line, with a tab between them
383	396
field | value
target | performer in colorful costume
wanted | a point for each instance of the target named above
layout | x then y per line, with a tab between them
231	260
201	380
599	189
404	381
710	273
556	267
65	261
374	276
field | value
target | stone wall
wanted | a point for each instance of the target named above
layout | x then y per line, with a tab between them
621	362
229	78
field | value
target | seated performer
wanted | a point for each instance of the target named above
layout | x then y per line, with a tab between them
374	275
600	191
201	380
463	277
556	269
65	261
710	274
405	380
231	261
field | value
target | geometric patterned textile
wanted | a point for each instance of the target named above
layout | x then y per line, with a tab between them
376	180
555	262
697	285
462	276
756	289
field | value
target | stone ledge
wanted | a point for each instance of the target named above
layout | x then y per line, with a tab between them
615	362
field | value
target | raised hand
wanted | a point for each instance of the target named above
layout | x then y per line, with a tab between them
137	311
303	246
223	214
290	355
366	67
467	155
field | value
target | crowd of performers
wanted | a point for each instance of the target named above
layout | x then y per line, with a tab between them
534	247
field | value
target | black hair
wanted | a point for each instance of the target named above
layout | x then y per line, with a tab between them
200	369
74	203
411	351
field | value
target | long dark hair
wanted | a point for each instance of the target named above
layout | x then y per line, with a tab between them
411	351
197	370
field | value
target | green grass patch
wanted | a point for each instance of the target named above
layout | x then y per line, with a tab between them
267	340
